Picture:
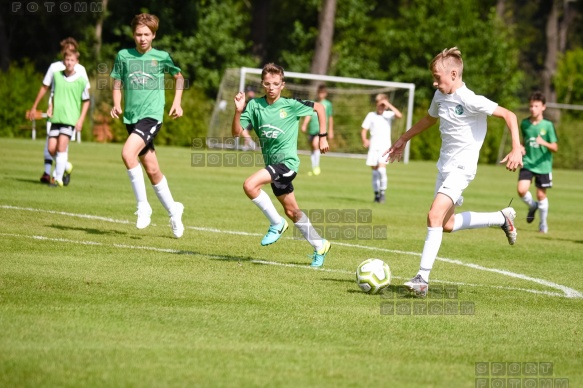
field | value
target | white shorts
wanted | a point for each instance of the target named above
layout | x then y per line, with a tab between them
61	129
453	184
375	157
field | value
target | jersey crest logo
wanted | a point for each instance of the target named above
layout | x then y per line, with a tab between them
459	110
282	114
543	132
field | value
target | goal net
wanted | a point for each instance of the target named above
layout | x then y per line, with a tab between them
352	99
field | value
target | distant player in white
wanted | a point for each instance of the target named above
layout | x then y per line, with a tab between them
378	124
66	44
462	122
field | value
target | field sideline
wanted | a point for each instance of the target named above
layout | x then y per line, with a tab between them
87	299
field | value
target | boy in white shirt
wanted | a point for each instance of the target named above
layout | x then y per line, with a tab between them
463	123
378	123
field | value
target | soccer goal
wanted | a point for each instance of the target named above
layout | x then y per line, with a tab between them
352	99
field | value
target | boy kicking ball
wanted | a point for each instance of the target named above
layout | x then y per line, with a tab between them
462	122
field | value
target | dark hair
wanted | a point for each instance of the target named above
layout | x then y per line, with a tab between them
537	96
69	44
272	68
322	88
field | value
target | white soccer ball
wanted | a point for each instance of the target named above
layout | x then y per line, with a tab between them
373	275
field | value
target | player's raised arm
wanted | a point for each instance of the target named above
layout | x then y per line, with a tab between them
236	128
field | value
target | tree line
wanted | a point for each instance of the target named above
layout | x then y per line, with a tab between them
511	47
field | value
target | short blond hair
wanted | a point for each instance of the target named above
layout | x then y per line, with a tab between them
448	59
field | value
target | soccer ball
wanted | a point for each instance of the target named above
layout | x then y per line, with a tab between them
373	275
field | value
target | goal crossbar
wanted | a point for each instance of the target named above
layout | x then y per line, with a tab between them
348	80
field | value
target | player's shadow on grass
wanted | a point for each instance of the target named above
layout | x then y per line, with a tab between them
231	258
338	280
393	292
549	238
35	182
358	200
89	230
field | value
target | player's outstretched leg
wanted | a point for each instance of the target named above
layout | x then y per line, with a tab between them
508	226
274	232
67	174
417	285
320	255
176	220
531	211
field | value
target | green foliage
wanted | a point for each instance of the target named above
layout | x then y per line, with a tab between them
197	111
18	89
570	137
217	44
569	78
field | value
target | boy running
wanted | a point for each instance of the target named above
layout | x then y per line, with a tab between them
140	73
275	121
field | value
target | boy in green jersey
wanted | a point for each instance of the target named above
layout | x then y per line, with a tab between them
312	127
139	72
540	142
275	120
71	102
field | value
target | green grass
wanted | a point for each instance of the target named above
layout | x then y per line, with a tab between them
86	299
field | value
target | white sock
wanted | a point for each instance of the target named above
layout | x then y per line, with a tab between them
527	199
48	158
136	176
309	233
164	195
430	249
472	220
315	157
61	164
382	178
263	202
376	180
543	208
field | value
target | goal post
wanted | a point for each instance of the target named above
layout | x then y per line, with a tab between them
352	99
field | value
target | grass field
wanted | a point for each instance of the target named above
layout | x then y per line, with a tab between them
86	299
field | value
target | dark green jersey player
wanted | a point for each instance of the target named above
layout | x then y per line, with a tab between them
276	126
275	120
539	142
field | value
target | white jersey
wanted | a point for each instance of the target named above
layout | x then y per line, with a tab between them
379	127
463	124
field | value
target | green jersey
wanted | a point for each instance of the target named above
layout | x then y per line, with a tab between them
538	159
142	76
276	126
314	125
69	93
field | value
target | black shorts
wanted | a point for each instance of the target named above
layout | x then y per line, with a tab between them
58	129
542	181
147	129
281	179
